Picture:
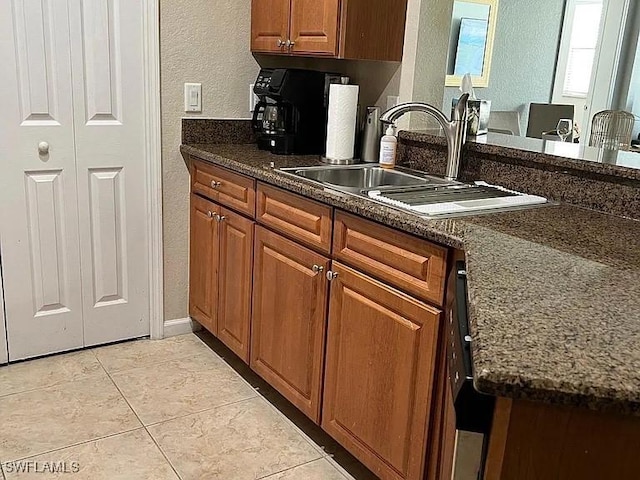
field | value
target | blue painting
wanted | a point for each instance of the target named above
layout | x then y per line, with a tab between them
472	43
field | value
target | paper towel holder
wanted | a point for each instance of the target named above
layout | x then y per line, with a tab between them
342	161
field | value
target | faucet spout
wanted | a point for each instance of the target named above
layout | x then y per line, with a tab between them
455	130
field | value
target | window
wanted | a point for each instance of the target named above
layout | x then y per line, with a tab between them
585	31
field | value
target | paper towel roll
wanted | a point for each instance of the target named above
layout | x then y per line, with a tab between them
341	121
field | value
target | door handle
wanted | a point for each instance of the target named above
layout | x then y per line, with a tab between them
43	148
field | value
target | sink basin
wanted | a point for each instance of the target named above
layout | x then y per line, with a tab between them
363	177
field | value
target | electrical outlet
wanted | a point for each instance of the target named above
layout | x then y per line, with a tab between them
193	97
392	101
253	99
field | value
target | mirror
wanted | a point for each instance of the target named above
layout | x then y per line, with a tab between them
473	26
553	59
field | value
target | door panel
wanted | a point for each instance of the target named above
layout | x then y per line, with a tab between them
203	263
39	237
381	354
289	319
314	26
235	281
269	24
109	103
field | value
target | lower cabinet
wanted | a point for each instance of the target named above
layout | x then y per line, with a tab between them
221	264
378	387
290	292
203	263
235	280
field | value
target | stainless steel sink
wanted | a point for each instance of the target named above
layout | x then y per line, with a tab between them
357	178
415	192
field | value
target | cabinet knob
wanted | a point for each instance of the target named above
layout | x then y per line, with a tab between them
210	214
43	148
220	218
332	275
317	269
215	184
280	43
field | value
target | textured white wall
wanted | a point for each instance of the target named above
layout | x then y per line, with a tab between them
205	41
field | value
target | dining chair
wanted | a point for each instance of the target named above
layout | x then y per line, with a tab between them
544	117
505	121
612	130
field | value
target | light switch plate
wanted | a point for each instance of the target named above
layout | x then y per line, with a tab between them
193	97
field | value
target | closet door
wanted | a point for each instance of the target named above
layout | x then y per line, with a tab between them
39	216
109	114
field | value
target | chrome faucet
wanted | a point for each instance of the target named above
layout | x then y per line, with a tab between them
455	130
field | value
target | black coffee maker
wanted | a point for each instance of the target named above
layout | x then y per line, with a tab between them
291	116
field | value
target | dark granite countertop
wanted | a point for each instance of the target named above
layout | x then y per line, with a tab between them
621	164
554	292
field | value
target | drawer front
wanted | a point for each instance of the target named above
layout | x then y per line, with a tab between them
416	266
224	186
302	219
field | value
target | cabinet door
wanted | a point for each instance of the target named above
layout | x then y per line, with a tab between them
381	353
269	25
203	263
314	26
235	279
289	318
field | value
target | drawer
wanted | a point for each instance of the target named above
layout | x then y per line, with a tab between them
224	186
416	266
297	217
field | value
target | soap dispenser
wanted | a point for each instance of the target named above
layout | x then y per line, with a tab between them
388	148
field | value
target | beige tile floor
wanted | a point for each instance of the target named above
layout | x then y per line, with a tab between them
169	409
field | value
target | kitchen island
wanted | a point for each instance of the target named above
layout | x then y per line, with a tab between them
554	308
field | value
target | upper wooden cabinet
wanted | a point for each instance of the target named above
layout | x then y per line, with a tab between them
269	25
350	29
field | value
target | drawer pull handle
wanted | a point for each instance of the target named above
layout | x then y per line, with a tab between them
317	269
215	184
332	275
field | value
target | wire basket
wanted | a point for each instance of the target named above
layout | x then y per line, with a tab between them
612	130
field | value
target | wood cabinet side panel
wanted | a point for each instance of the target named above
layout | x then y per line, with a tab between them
372	29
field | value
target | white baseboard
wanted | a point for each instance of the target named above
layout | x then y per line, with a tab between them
180	326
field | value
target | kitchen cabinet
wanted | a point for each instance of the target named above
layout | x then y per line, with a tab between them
289	319
380	368
235	281
203	262
350	29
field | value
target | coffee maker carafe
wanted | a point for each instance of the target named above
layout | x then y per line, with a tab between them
291	116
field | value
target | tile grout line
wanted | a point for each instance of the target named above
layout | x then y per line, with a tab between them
142	423
76	444
266	477
208	409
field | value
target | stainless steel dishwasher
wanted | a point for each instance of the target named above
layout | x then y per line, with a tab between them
474	410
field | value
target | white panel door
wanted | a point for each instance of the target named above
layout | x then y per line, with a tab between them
4	356
109	102
38	196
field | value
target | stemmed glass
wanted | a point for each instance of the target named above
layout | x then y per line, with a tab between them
564	128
